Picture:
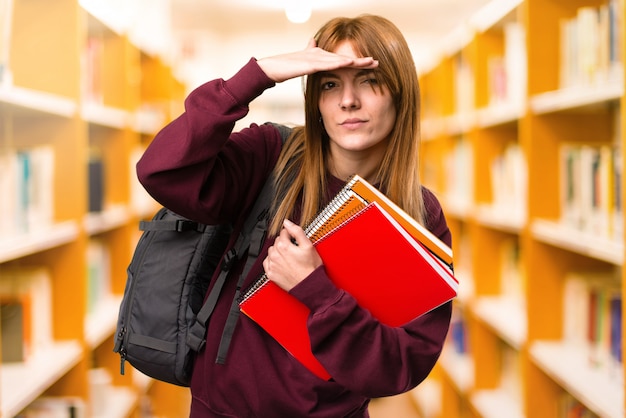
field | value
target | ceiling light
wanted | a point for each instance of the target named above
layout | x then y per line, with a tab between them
298	11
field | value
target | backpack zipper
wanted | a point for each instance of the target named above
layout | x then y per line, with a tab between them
120	348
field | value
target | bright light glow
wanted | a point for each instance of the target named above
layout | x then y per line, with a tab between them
298	11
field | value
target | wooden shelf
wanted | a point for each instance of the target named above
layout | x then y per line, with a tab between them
113	217
460	370
21	383
458	207
121	403
42	239
505	315
427	397
136	94
500	114
24	100
79	88
498	218
105	116
460	123
148	122
559	235
496	103
491	403
569	366
577	98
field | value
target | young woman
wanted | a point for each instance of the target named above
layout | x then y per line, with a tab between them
362	117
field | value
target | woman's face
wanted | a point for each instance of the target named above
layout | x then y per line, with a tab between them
357	112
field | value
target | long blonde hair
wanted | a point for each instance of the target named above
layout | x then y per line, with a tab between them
302	166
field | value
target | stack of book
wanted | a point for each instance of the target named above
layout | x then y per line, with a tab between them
372	249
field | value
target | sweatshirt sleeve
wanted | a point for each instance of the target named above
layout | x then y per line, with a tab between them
359	352
196	166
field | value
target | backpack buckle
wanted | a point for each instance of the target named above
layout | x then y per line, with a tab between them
183	225
196	339
229	259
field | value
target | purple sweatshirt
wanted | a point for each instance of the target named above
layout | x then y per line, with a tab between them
198	168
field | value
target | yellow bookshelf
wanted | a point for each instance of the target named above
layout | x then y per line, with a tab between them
514	157
72	90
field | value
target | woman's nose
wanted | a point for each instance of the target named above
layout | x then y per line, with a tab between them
349	99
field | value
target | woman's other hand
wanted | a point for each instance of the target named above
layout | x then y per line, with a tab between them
292	257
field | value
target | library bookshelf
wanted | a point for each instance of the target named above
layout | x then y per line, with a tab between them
78	103
522	142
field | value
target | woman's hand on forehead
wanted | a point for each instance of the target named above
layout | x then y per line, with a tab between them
310	60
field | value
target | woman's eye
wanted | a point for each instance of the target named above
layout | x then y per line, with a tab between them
371	80
328	85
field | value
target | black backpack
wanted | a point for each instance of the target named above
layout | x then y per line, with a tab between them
162	319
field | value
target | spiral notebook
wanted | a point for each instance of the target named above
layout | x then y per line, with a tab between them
370	255
355	195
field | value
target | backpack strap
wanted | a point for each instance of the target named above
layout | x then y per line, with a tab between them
196	339
256	240
178	225
251	238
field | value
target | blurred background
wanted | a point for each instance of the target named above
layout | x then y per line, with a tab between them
522	142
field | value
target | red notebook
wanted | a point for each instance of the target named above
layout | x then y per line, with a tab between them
374	259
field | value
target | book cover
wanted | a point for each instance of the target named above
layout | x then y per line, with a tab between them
40	208
8	194
98	276
13	331
33	288
96	184
372	257
403	279
31	204
6	20
615	320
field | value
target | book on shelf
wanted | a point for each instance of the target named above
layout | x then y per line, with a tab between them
509	182
26	189
511	372
368	253
570	407
100	383
6	19
512	274
459	178
497	80
507	74
592	317
458	333
590	186
98	275
96	183
31	288
464	94
604	329
93	63
615	180
14	327
515	62
590	45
